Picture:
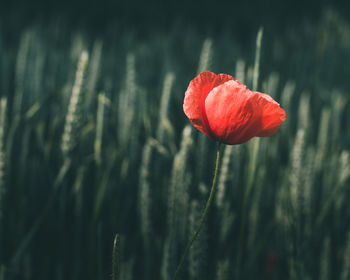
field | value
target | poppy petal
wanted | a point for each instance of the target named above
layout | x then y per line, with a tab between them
195	95
272	115
232	115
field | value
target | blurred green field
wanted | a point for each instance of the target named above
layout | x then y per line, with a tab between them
94	142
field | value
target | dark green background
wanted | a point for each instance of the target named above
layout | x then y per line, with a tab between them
242	16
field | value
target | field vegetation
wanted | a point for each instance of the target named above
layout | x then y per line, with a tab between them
94	142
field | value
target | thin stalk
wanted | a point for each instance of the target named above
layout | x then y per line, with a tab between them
116	258
257	58
205	213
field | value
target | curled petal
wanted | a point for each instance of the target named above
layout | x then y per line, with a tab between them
196	94
272	115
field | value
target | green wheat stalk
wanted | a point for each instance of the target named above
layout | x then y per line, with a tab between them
93	71
345	273
21	64
224	171
163	118
205	56
3	107
102	100
116	258
67	138
240	70
144	200
325	259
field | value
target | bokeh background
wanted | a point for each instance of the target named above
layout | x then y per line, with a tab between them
94	142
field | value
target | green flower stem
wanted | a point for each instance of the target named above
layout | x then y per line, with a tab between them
206	210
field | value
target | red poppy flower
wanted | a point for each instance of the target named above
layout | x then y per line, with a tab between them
226	110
